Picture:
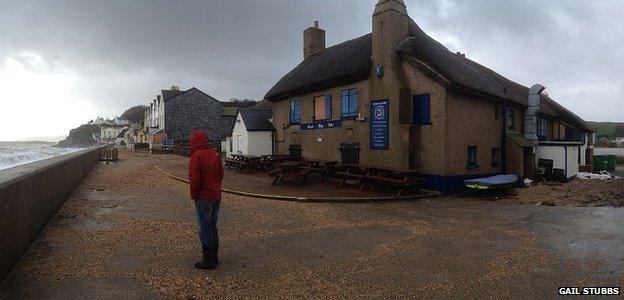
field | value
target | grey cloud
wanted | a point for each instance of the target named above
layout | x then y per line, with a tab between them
125	51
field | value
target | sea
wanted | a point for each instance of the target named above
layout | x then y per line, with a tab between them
14	154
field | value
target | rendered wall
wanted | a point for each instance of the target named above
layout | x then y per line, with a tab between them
259	143
324	144
239	145
473	122
31	194
561	160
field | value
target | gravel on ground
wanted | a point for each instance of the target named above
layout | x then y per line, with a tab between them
130	232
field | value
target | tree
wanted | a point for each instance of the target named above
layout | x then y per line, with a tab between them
619	130
134	114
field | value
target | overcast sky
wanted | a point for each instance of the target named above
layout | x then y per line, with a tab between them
63	63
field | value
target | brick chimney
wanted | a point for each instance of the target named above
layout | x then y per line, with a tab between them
313	40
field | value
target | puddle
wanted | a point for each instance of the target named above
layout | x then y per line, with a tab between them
93	225
107	209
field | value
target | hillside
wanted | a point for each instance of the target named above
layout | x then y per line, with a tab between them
81	136
134	114
608	129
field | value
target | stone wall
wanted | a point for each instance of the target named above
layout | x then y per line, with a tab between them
196	110
31	194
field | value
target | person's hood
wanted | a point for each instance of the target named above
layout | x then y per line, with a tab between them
198	141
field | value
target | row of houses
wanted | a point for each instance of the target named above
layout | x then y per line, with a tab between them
393	98
173	114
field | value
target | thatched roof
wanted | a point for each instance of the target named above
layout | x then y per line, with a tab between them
350	62
263	105
342	64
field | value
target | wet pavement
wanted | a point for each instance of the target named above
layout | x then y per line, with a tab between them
134	236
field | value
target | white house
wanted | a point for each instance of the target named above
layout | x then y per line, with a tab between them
109	133
252	134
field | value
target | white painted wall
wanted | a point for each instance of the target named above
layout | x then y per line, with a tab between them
573	165
239	136
558	155
225	146
260	143
250	142
584	150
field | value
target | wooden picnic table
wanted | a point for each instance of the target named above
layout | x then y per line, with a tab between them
243	163
291	170
322	167
352	172
401	179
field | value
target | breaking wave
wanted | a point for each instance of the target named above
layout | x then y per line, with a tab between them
14	154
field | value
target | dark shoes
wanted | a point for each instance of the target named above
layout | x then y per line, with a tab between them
210	260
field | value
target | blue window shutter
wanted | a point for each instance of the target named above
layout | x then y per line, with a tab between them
421	113
298	111
328	107
353	100
425	110
295	111
416	110
344	103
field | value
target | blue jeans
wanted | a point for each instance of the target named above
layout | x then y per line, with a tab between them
207	216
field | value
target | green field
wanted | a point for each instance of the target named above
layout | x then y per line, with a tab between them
606	128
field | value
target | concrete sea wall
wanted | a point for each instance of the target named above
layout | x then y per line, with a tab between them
31	194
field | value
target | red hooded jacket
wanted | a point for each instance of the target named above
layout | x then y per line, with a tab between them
205	170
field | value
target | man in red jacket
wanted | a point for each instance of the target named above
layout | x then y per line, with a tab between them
205	176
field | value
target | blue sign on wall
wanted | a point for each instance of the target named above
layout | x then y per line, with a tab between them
322	125
380	125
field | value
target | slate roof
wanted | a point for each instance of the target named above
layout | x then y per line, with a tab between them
263	105
350	62
170	94
520	140
257	120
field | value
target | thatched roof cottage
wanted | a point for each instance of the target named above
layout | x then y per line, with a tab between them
406	101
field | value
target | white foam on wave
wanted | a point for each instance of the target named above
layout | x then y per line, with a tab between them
14	154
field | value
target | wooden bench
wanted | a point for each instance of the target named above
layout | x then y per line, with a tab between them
376	177
400	179
351	172
289	170
298	176
243	163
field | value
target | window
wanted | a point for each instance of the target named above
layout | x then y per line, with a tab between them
295	112
472	157
322	108
571	134
495	157
510	117
421	109
349	103
542	129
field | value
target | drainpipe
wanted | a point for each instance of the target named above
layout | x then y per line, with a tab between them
530	116
504	137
